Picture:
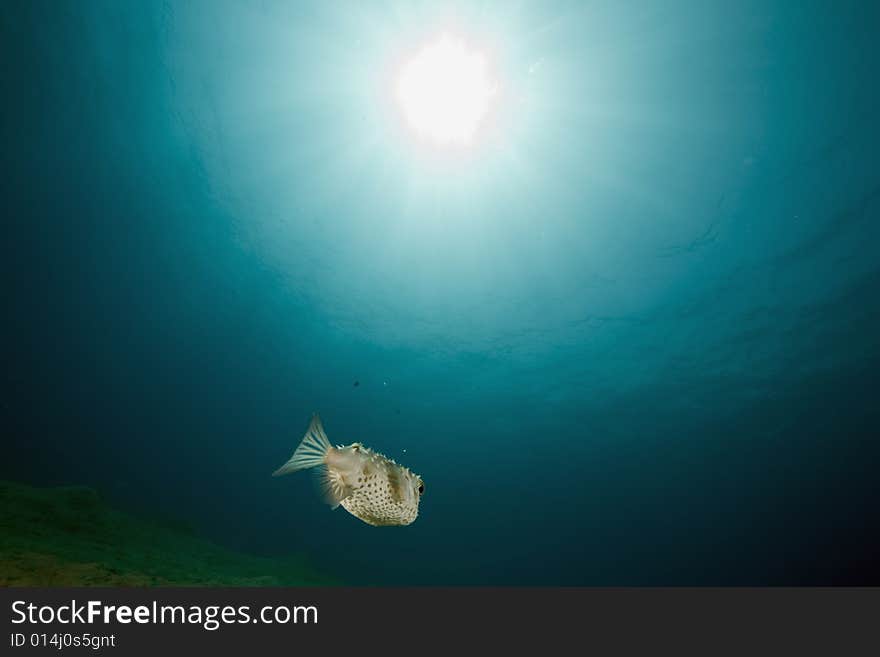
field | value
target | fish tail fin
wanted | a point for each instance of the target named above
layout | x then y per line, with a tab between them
311	451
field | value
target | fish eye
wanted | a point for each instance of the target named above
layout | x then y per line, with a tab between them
421	487
356	447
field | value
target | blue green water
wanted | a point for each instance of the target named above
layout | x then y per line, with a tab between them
631	338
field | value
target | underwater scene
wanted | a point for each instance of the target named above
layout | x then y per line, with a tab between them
503	293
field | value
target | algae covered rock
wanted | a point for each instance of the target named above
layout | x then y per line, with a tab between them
68	536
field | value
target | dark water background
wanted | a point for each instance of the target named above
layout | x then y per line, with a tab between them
638	342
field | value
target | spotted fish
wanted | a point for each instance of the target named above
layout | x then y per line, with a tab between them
367	484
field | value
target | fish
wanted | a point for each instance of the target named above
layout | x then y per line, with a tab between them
367	484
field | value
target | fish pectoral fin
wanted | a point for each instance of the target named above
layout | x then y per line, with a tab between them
334	488
395	484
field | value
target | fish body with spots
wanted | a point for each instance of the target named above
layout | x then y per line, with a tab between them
368	485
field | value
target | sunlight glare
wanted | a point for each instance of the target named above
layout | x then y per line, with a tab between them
445	92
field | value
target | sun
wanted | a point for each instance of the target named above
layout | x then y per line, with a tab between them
446	91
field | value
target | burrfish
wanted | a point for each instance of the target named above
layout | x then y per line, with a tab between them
368	485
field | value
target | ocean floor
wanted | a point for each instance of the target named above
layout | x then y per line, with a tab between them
68	536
